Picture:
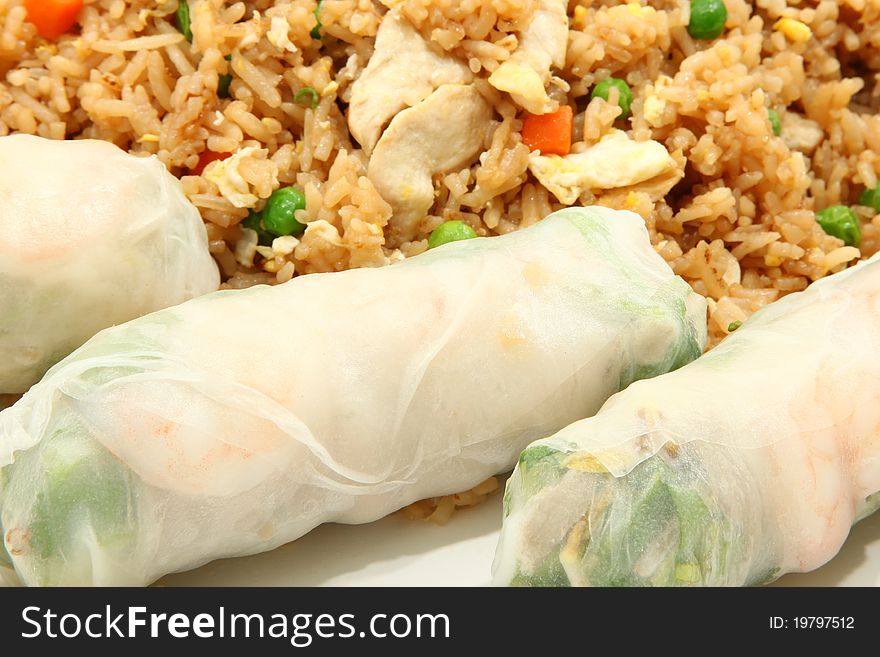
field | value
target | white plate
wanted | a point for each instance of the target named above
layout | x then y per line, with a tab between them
400	552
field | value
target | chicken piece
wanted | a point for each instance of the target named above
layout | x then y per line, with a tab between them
404	70
616	161
542	46
442	133
801	134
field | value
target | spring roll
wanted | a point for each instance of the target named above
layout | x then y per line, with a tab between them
237	422
751	462
91	237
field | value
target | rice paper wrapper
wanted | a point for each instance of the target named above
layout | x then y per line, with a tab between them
752	461
108	238
239	421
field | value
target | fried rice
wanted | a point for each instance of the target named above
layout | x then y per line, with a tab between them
735	215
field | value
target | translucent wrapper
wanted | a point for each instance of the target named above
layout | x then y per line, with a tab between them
753	461
239	421
91	237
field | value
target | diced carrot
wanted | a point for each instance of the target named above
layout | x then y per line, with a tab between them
52	17
205	159
549	133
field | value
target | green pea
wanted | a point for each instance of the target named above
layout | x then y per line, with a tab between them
733	326
316	31
840	221
183	22
624	96
871	198
775	121
707	19
450	231
278	215
254	221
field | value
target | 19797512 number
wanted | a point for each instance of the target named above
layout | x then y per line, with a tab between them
813	623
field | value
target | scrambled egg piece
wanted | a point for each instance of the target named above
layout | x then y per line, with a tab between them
524	82
636	9
794	30
279	34
232	185
542	46
655	106
616	161
585	463
323	230
601	462
284	245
